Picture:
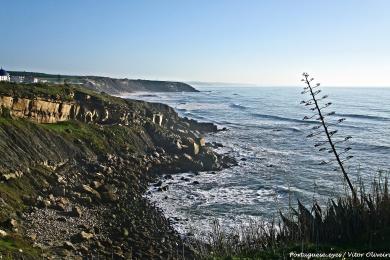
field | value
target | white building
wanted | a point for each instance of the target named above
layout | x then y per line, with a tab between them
4	76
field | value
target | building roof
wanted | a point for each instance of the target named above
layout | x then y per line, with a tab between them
3	72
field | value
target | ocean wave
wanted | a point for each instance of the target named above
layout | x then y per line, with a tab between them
201	106
358	116
280	118
371	147
238	106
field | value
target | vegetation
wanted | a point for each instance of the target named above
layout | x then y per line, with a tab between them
64	92
314	103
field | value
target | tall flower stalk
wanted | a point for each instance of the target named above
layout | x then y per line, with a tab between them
320	115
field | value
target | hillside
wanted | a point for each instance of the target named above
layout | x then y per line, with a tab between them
75	164
111	85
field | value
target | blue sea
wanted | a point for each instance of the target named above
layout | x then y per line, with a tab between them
277	163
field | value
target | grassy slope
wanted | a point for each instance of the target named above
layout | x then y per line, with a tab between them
57	141
90	138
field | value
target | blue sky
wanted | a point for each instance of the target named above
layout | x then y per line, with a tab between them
272	42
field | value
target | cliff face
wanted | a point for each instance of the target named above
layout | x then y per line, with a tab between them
74	166
38	110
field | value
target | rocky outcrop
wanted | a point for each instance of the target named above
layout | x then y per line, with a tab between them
77	187
39	110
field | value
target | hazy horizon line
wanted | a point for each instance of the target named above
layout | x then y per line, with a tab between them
199	82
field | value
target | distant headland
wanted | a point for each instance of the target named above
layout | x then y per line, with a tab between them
109	85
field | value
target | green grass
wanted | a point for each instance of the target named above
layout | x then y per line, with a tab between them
53	91
101	139
13	247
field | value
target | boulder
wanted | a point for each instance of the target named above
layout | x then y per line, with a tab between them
68	245
58	191
85	236
87	189
3	233
76	212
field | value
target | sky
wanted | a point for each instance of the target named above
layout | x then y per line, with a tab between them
262	42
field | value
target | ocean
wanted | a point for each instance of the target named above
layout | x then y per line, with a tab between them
277	163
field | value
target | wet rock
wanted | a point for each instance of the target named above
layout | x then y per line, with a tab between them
163	188
184	179
158	184
168	177
201	141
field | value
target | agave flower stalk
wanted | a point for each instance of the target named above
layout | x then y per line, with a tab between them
314	102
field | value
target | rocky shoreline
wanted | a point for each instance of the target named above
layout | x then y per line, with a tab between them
74	188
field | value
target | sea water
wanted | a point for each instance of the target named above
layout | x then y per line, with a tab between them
277	163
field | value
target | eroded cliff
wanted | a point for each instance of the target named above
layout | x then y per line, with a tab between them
74	166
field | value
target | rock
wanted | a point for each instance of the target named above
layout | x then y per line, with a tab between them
44	203
196	148
90	191
61	207
109	196
59	191
195	182
8	176
209	160
168	177
32	237
76	212
184	179
96	184
3	233
28	200
63	252
163	188
125	232
11	223
243	159
201	141
158	184
178	145
61	219
84	236
188	157
160	150
68	245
